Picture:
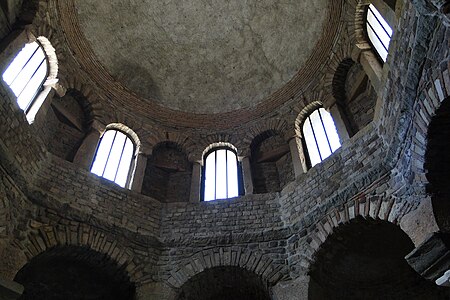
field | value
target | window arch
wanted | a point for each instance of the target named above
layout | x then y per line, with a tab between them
378	31
320	135
220	174
26	75
114	157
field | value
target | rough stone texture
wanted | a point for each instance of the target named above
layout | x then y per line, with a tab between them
431	259
271	163
62	132
292	289
377	177
353	264
203	56
73	273
168	175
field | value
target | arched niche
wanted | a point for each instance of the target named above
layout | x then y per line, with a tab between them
437	164
354	94
271	162
224	283
364	259
168	174
67	124
72	273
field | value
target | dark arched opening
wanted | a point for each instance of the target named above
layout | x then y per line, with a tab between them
354	94
224	283
66	124
168	174
365	260
271	163
74	273
437	164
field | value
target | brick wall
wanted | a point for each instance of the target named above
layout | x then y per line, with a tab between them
360	98
271	163
168	175
378	173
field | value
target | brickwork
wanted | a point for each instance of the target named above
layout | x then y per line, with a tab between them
271	163
168	174
377	174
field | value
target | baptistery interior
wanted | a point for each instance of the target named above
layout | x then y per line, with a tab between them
207	150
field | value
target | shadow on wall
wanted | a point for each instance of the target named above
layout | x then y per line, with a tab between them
74	273
168	174
271	163
224	283
66	124
437	164
364	259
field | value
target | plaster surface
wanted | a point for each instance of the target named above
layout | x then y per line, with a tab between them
203	56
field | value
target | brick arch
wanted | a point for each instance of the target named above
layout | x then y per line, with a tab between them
428	164
374	207
53	45
369	245
434	92
201	145
345	52
95	107
304	113
244	258
46	237
152	138
339	79
263	136
278	126
126	129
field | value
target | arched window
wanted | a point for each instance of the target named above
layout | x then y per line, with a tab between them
114	157
378	31
220	174
26	74
320	136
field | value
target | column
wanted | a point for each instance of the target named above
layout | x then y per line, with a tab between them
139	172
431	260
195	182
340	123
298	159
247	175
292	289
86	152
155	291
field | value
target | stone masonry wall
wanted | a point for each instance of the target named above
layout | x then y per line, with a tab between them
360	100
377	174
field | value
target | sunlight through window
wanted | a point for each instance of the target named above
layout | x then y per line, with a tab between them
114	157
379	32
26	74
320	135
221	175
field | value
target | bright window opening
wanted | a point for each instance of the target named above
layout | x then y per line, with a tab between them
114	157
320	135
26	74
379	32
221	175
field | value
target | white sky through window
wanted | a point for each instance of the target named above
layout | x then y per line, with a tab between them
379	31
221	181
26	73
210	177
114	157
321	136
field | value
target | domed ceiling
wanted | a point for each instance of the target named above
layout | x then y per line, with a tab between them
202	56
